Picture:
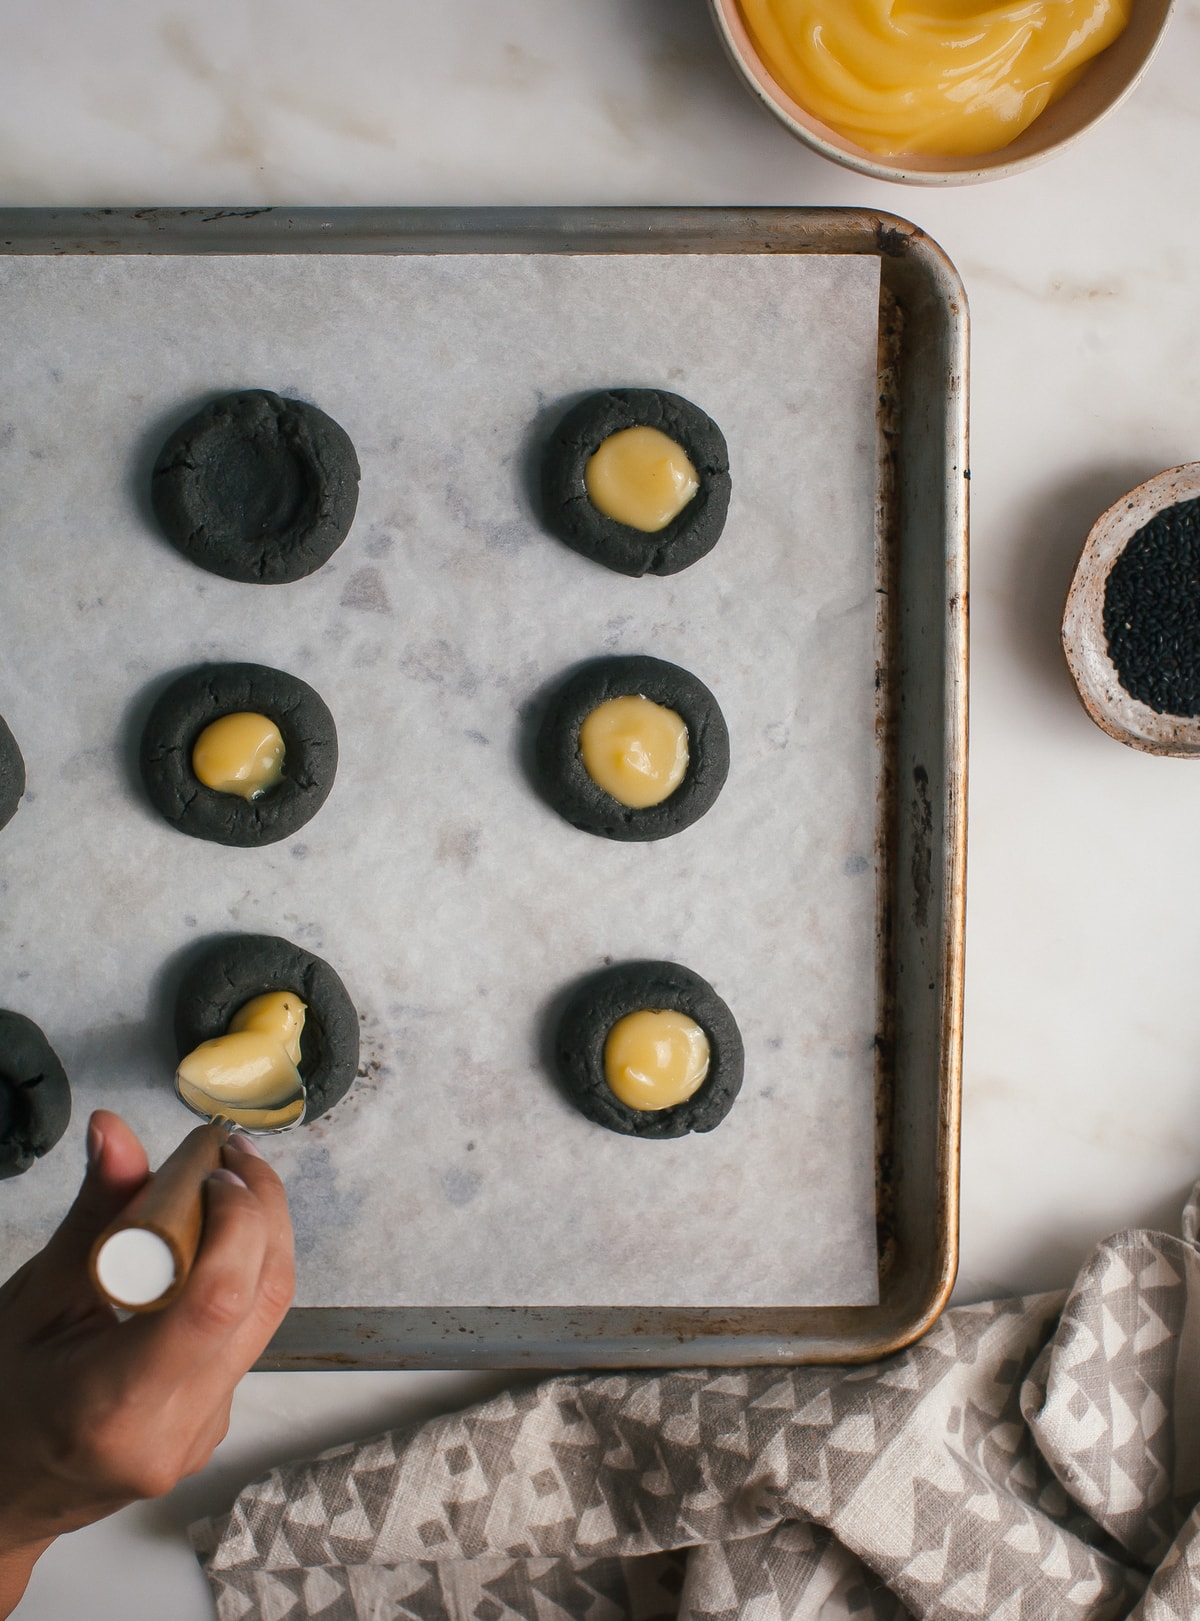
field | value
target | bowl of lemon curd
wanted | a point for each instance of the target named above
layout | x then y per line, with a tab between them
940	92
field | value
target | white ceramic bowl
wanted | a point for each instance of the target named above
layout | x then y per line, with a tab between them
1113	709
1108	80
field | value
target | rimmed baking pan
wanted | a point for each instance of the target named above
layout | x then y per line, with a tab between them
920	738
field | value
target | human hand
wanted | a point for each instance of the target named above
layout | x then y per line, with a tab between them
95	1412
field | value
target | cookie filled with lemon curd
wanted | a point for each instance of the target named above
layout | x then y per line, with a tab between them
632	748
649	1049
937	78
637	479
242	754
241	997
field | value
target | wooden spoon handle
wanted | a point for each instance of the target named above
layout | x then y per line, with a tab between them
142	1261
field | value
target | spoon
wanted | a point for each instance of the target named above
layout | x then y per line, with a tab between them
142	1260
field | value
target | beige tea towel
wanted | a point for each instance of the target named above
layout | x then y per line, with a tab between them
1029	1460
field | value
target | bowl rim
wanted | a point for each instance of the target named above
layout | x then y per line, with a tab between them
820	137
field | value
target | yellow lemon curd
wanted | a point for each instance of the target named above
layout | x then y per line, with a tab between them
654	1059
250	1075
640	477
951	78
635	749
239	754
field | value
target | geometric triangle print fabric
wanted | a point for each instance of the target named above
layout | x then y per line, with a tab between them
1028	1460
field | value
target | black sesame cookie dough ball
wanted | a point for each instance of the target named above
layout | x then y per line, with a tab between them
204	695
570	515
611	995
12	775
257	488
35	1095
564	779
232	971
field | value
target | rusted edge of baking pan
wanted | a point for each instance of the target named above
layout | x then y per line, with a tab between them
922	720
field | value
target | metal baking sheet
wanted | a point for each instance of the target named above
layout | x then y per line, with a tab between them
503	234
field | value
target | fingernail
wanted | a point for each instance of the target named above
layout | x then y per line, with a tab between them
95	1143
226	1176
244	1144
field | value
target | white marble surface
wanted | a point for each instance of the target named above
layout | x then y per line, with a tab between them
1082	1040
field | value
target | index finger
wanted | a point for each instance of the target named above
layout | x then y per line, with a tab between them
277	1279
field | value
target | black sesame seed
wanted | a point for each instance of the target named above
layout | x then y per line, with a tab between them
1152	612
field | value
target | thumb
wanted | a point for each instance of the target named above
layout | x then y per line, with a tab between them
117	1169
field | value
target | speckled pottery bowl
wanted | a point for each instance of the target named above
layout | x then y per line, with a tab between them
1115	710
1106	83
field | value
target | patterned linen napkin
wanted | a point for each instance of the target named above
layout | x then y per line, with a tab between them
1029	1460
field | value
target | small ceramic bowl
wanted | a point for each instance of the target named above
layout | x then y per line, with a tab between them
1106	83
1113	709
